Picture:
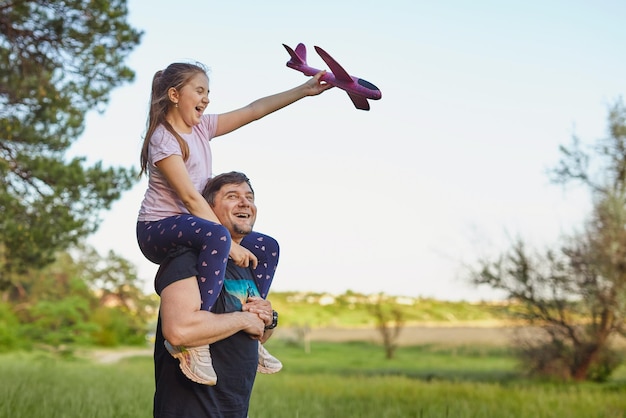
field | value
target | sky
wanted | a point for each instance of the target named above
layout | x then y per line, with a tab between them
447	168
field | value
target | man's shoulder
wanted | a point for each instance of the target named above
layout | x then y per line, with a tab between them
180	264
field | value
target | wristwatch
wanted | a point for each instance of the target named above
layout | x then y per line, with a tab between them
274	321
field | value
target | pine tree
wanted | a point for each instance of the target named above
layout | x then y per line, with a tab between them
58	61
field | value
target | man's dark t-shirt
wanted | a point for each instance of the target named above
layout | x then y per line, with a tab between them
234	358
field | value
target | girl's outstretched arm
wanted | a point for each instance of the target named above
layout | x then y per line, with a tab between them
230	121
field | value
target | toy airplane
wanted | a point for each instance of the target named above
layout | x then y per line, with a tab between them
358	89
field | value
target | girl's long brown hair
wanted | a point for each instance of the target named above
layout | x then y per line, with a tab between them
174	76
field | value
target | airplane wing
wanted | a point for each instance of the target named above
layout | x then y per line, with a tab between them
334	66
360	102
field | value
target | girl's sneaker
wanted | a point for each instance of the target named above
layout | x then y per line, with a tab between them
195	363
268	364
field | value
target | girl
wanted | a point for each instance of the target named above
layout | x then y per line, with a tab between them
176	156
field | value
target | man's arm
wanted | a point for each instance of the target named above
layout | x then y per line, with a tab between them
183	323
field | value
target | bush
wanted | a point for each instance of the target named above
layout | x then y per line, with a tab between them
602	369
116	327
557	360
9	326
58	323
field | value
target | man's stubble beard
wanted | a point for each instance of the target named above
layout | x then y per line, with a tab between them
240	231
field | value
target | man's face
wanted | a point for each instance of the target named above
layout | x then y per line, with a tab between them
234	207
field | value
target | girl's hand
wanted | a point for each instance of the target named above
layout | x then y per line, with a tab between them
242	256
315	86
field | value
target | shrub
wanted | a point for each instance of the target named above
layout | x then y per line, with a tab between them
9	326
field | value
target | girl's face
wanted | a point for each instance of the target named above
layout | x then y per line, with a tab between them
192	100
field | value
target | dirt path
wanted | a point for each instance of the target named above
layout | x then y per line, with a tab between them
414	335
113	355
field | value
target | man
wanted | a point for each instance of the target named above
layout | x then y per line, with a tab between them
238	321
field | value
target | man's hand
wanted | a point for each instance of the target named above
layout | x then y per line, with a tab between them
253	325
261	307
242	256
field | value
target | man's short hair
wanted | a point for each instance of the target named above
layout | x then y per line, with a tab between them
215	184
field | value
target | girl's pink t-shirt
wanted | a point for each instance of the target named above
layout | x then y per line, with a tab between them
160	200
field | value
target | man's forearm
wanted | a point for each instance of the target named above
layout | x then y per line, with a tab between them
204	328
183	323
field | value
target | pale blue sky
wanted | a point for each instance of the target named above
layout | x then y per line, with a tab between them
477	97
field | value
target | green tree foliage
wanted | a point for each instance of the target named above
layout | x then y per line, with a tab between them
122	308
58	60
82	298
577	293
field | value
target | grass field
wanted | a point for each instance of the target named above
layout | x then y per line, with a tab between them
334	380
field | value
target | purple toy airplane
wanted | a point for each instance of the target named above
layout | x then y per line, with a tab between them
358	89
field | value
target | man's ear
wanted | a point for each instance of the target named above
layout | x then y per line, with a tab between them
172	93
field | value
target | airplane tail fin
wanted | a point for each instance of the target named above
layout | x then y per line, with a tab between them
359	102
298	56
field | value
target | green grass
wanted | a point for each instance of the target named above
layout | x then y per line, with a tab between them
333	380
421	362
41	386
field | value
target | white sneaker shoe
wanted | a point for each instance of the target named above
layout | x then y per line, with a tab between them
268	364
195	363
